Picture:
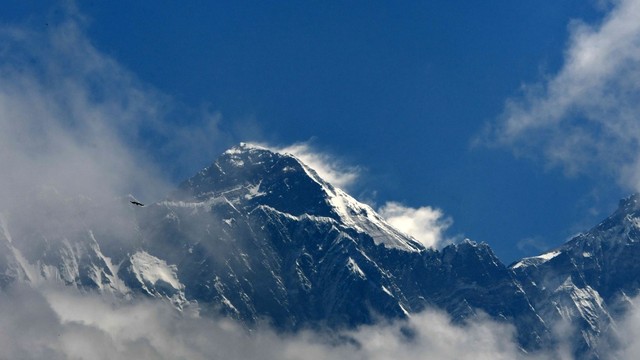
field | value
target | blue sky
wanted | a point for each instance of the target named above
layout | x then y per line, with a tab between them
491	112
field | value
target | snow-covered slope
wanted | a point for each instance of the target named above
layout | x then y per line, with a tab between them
587	281
248	175
71	242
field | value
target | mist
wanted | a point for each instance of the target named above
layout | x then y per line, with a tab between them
60	323
73	121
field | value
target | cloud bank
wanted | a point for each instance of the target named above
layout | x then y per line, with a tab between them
584	118
53	323
426	224
628	332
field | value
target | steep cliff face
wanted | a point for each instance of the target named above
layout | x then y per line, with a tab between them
588	281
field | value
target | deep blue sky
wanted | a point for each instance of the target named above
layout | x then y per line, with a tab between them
400	89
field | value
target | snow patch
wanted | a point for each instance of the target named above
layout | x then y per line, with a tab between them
586	301
548	256
5	228
150	269
114	281
536	260
406	313
229	305
254	191
235	152
353	266
362	217
243	147
26	270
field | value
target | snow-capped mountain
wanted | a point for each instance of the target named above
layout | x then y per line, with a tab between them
589	280
260	236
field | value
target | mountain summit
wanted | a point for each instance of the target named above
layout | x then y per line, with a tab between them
250	176
589	280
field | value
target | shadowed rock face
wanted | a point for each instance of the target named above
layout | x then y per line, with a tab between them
260	236
302	253
251	176
589	280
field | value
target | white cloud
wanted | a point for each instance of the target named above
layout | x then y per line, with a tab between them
426	224
53	323
64	114
627	334
79	132
74	120
329	168
584	118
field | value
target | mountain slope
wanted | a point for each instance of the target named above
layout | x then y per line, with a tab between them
588	281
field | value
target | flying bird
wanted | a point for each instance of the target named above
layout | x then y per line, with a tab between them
136	203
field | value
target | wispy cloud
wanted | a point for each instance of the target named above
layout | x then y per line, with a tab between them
79	132
73	119
329	167
584	118
626	345
426	224
534	243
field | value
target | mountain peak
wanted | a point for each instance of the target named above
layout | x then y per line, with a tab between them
621	227
251	176
251	154
629	204
245	147
626	216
